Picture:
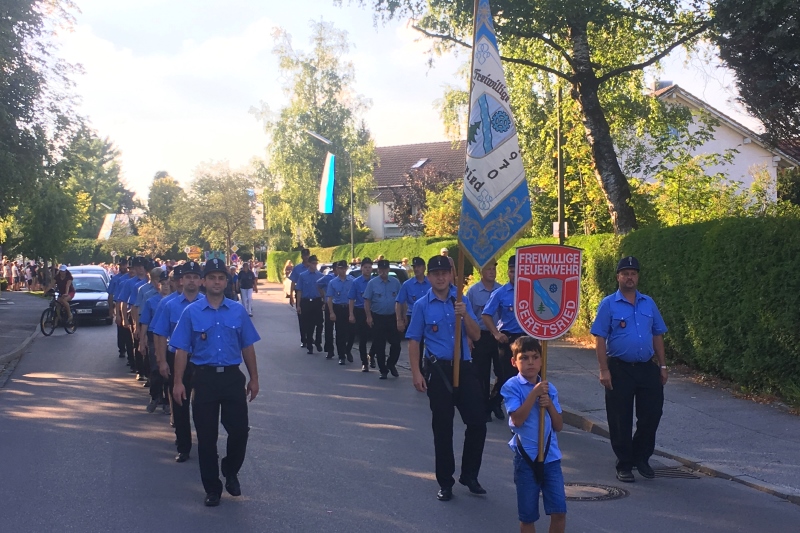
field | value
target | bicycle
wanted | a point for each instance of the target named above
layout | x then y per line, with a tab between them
51	317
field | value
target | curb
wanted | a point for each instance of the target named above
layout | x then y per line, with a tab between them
581	420
6	357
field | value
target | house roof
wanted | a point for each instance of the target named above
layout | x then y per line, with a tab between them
674	90
394	162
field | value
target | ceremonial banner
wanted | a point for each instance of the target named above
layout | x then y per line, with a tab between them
496	206
547	289
326	186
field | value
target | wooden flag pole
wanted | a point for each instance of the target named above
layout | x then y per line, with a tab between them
459	293
541	409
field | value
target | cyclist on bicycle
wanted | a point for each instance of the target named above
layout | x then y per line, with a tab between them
63	282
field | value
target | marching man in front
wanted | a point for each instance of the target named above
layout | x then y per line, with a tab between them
434	320
218	334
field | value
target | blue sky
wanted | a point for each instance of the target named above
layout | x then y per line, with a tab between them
171	82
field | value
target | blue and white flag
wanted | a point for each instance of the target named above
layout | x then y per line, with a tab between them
326	186
496	206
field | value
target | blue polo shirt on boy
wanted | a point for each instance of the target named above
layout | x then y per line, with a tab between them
166	321
478	295
161	305
297	271
627	328
382	294
214	337
502	300
148	309
514	392
357	291
411	291
307	284
322	283
339	290
435	321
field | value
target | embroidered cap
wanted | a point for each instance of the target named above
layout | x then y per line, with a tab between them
383	263
629	262
191	268
418	261
214	265
438	262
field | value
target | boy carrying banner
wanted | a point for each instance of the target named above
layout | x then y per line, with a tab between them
523	395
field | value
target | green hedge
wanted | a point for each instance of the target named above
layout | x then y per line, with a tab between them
729	290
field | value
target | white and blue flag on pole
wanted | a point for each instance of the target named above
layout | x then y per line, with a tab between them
326	185
496	205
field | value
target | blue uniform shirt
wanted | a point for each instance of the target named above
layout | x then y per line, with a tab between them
322	283
628	329
114	282
149	307
307	284
502	301
478	295
435	321
382	294
120	284
214	337
145	291
167	319
514	392
297	271
339	291
411	291
133	291
357	291
161	305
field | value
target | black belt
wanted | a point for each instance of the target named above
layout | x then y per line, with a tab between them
217	369
650	361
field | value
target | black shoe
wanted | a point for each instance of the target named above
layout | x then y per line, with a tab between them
310	350
365	368
329	356
231	482
182	457
383	376
488	417
372	362
341	361
473	486
645	470
394	372
212	499
302	345
319	347
444	495
626	476
121	355
498	412
349	358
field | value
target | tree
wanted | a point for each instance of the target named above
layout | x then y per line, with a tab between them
590	45
153	238
443	214
409	203
222	202
760	41
322	100
49	220
123	240
164	198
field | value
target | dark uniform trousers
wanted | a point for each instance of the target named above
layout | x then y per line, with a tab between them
180	413
632	384
363	331
125	343
469	401
328	330
300	322
121	341
138	358
344	330
507	370
484	355
215	391
158	385
311	319
384	329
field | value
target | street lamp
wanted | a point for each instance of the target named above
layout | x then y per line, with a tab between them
350	163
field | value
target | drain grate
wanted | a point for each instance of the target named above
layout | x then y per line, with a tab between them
592	492
677	472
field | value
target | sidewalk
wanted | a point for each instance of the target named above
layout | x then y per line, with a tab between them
704	428
19	322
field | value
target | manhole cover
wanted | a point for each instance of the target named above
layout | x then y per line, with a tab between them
678	472
591	492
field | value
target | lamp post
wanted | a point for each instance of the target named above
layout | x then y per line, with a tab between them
350	164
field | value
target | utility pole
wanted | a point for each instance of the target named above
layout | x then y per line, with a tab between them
560	174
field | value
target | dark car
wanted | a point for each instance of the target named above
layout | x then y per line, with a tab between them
395	270
91	297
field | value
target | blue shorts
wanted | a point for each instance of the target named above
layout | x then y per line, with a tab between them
553	496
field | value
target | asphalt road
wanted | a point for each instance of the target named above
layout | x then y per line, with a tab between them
331	449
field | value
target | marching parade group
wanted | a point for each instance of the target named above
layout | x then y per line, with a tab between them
186	340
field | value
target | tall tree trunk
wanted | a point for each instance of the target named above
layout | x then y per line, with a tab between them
606	166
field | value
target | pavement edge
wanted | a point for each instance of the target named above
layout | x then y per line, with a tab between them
6	357
583	421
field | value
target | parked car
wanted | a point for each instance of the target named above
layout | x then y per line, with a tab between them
91	297
90	269
395	269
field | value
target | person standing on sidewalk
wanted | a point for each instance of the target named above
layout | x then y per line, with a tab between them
213	336
434	319
484	351
505	331
247	286
379	298
338	293
628	330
